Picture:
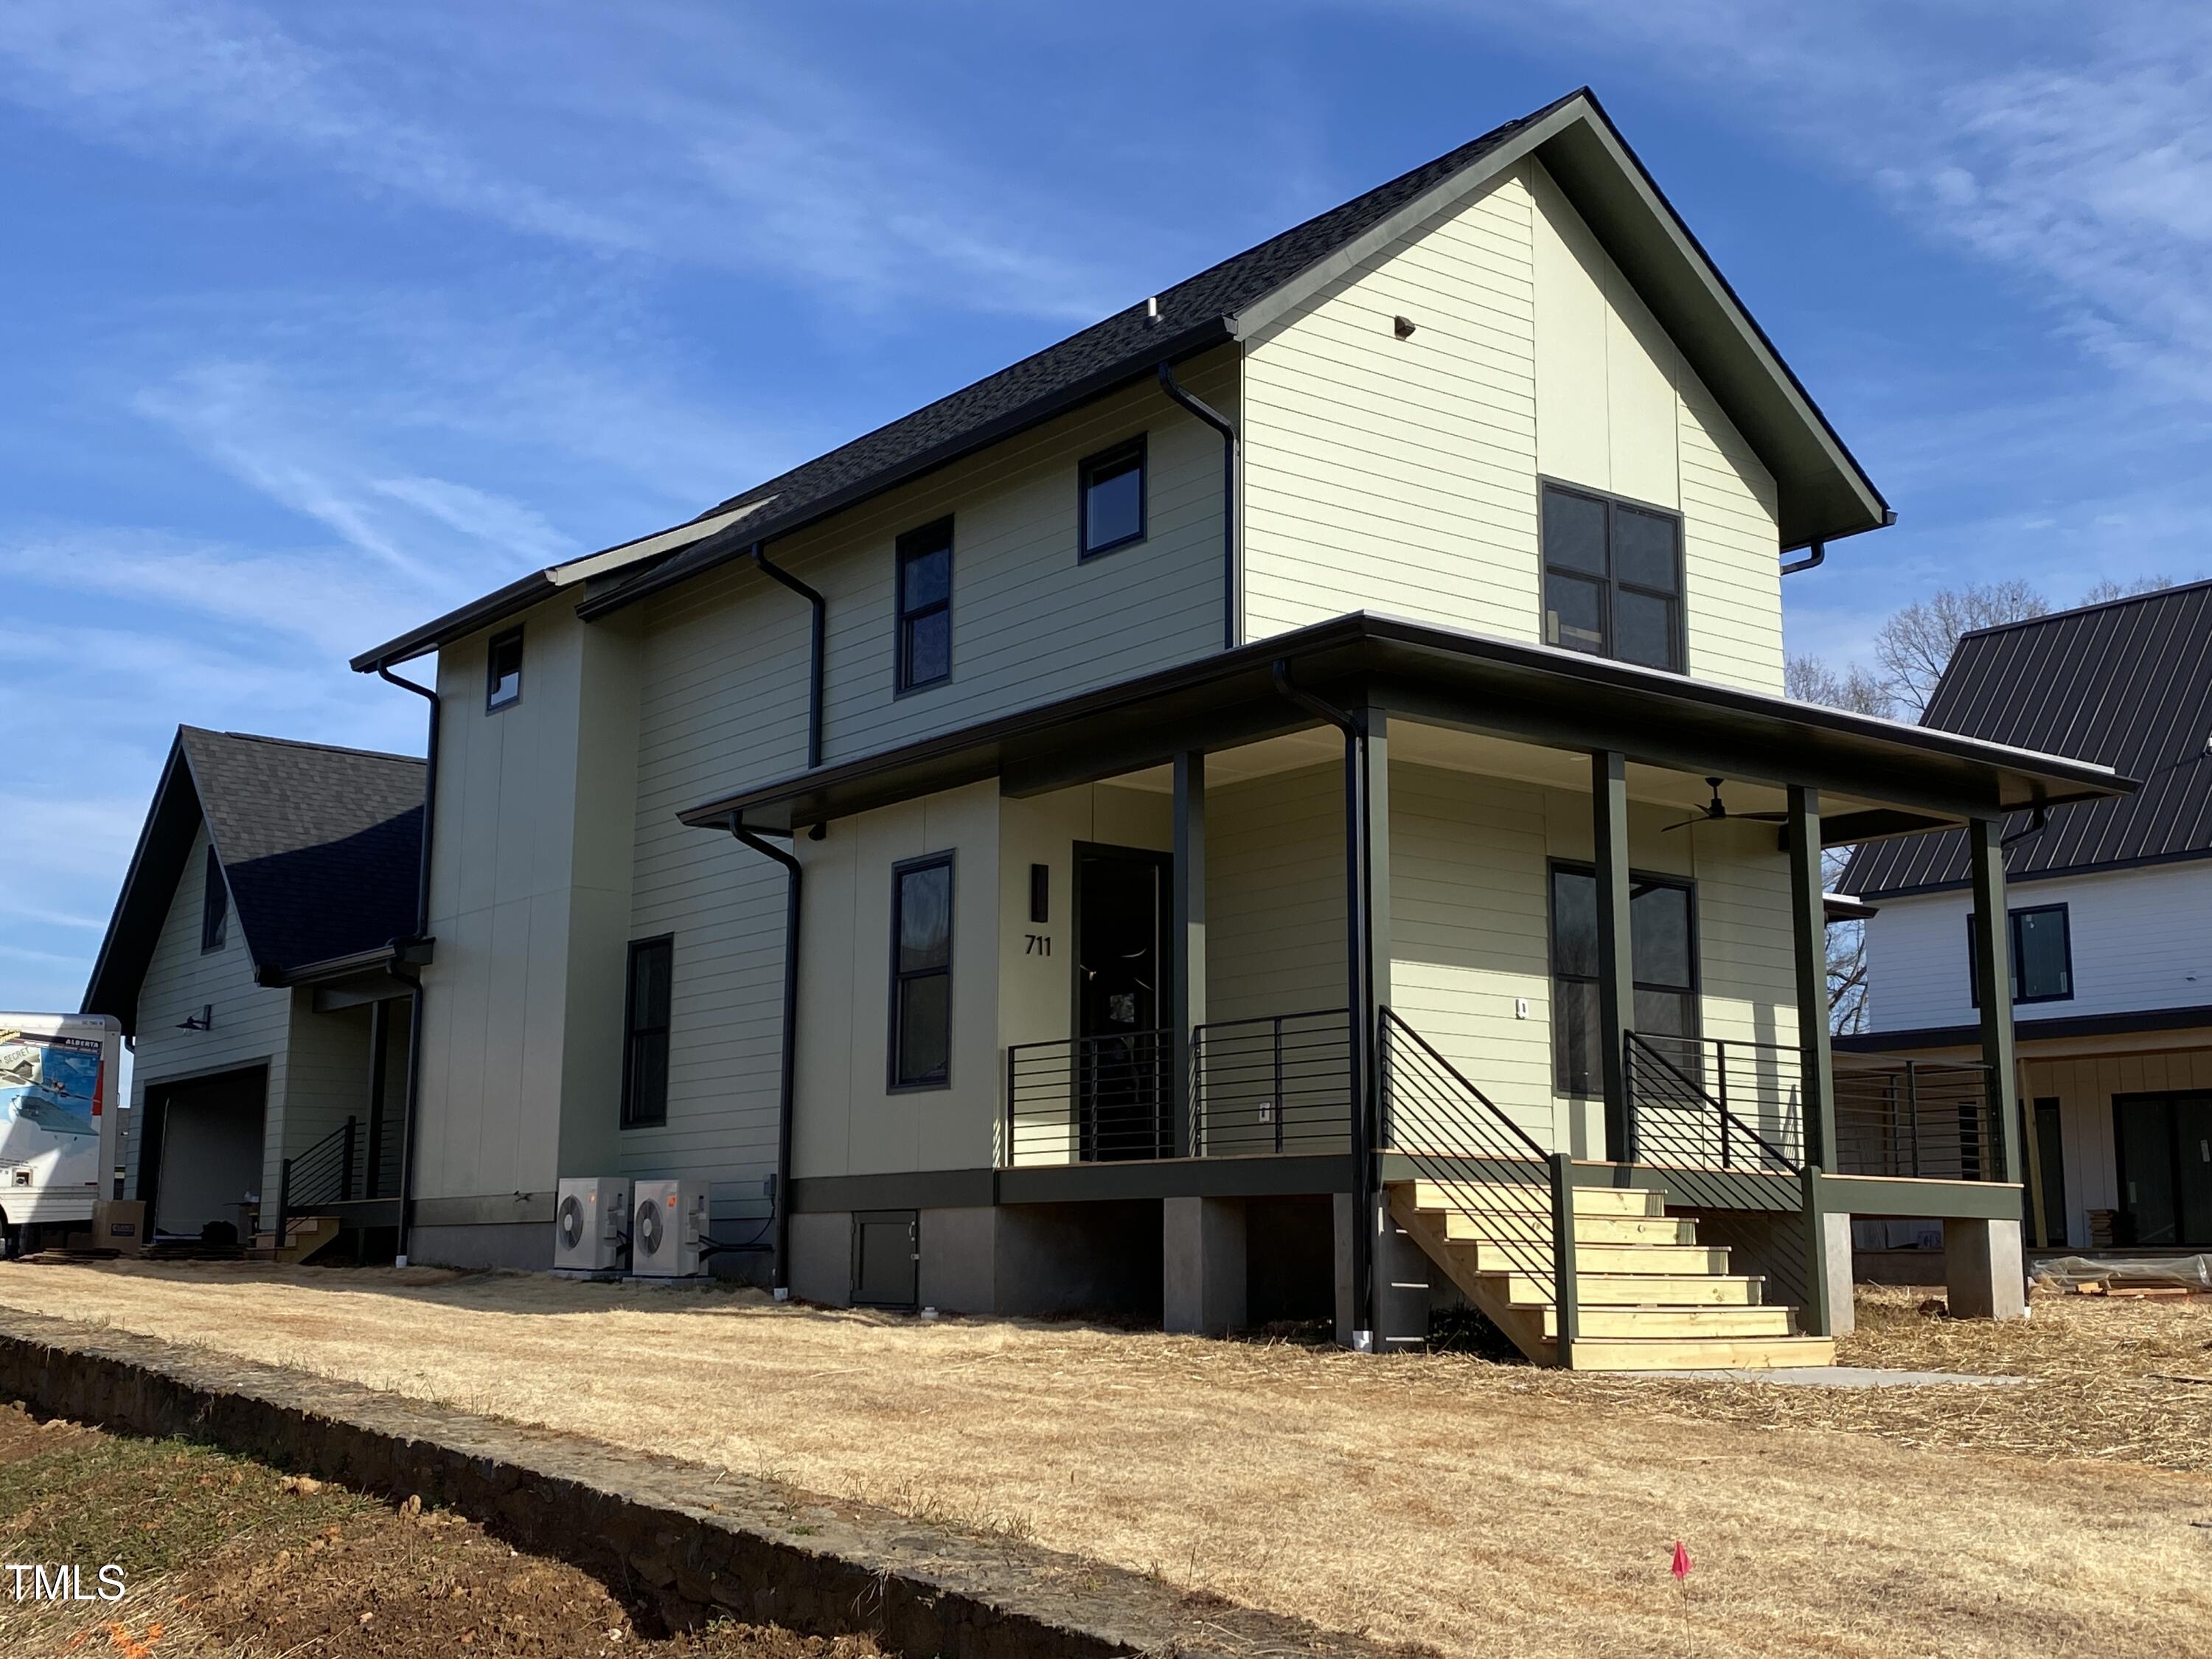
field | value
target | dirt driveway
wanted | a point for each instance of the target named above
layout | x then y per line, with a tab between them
1442	1501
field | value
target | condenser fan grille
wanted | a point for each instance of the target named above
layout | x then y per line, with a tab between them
572	1221
648	1227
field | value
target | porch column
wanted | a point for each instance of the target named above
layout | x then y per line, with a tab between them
1808	926
1983	1267
379	1025
1374	793
1993	984
1397	1304
1188	975
1616	963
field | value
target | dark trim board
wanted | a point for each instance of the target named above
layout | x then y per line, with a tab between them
1446	677
1906	1198
2030	1031
1075	1183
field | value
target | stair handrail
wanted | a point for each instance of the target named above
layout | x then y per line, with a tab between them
1636	1041
1492	1150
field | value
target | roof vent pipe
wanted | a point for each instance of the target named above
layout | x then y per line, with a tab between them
1151	310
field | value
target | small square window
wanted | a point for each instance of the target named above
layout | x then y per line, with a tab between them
925	605
1112	499
503	671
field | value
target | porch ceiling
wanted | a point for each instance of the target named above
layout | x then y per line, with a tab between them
1528	695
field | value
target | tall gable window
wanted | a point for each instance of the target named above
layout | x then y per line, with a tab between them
503	671
1613	578
1111	500
645	1031
921	973
215	905
925	605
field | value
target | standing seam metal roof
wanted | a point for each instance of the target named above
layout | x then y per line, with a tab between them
2127	683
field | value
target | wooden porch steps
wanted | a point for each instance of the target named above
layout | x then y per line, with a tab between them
1650	1296
304	1235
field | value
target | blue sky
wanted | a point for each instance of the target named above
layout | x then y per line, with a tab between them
320	319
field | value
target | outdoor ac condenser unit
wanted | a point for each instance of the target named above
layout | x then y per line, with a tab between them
668	1228
591	1226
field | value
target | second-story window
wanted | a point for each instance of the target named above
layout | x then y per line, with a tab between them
2042	956
1111	501
215	905
503	670
1613	578
925	605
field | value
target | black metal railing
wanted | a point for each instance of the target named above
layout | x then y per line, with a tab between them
1281	1082
1519	1198
1930	1120
1708	1103
1089	1100
324	1174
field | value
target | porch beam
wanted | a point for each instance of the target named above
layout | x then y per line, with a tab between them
1188	946
1616	962
1993	982
1808	928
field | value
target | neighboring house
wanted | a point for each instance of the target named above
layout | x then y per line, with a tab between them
257	959
1187	825
2111	973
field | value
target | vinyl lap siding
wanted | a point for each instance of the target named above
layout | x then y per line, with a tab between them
1399	475
1275	895
723	704
252	1024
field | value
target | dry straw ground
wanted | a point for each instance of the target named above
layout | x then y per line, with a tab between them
1441	1501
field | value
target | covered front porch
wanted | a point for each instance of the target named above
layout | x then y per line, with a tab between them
1521	953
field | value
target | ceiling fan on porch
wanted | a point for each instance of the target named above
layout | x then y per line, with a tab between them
1716	810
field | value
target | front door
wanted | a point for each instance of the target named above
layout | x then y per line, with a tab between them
2164	1143
1122	1002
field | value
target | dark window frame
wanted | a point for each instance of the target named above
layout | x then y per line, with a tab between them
494	703
914	545
900	978
1554	868
1085	469
632	1117
214	904
1610	584
2013	955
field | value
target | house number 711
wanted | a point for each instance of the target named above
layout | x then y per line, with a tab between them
1040	945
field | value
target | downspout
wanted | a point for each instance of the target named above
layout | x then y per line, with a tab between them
1815	556
1360	1016
787	1083
819	639
415	980
1214	417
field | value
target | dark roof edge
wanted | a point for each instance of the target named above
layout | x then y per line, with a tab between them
518	595
1538	129
2143	598
2029	1031
2028	876
1355	627
104	962
398	953
729	544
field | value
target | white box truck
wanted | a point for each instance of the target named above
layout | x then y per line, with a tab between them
60	1132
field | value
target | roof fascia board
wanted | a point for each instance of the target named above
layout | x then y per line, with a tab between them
524	592
129	897
733	541
1264	314
1581	111
980	750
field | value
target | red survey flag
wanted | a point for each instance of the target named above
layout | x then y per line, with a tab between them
1682	1568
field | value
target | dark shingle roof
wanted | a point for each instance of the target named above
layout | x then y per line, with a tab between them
1192	313
2128	684
321	848
322	845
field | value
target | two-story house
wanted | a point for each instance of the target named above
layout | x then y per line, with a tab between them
2110	980
1279	801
